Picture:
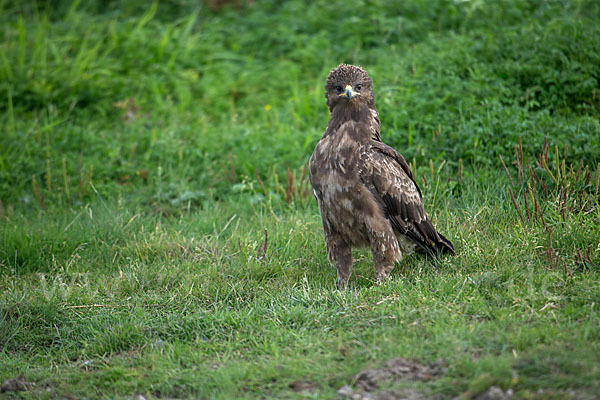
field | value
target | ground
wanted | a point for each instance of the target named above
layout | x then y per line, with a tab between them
158	237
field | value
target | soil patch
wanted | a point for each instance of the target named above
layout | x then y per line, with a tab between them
15	385
398	369
367	382
495	393
303	386
396	394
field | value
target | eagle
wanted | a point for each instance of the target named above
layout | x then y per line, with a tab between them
364	188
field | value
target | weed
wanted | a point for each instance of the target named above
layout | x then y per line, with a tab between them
553	197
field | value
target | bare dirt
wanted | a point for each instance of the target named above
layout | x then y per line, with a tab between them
303	386
495	393
346	392
368	382
18	384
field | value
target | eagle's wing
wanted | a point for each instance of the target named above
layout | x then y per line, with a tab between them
389	178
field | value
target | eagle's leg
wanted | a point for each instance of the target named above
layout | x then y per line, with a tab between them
340	254
386	251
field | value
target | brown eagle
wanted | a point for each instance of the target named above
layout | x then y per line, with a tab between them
364	188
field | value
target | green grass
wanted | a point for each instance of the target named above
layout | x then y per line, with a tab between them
155	233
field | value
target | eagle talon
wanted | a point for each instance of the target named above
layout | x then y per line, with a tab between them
382	278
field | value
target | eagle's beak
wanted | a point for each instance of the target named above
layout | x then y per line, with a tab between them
348	92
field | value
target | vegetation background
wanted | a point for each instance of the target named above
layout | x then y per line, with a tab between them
157	234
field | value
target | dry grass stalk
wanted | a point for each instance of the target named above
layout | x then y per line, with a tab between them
543	159
538	209
79	173
550	252
506	170
584	260
260	182
262	248
431	170
519	160
84	184
557	163
512	197
290	184
48	164
425	183
231	166
569	190
562	203
304	185
296	188
413	166
538	180
48	175
84	180
579	170
66	180
229	169
36	192
597	180
527	205
588	176
520	163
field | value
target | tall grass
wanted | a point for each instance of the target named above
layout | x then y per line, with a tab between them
130	90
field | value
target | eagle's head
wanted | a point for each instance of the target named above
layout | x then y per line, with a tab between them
349	85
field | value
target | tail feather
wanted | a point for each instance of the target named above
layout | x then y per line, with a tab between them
427	239
434	242
430	241
444	245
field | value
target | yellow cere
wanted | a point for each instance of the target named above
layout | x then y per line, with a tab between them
348	92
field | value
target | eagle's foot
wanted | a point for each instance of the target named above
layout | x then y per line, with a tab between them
342	284
383	272
382	277
343	277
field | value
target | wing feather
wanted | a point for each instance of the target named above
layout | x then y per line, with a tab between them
389	178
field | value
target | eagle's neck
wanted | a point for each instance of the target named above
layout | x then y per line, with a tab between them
357	112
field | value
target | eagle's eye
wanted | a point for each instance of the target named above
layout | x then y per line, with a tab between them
358	87
339	89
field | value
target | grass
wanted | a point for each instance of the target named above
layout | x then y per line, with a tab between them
156	236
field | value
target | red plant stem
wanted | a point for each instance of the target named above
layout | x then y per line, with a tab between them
506	170
542	184
526	206
578	170
266	242
551	249
262	185
539	210
515	204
